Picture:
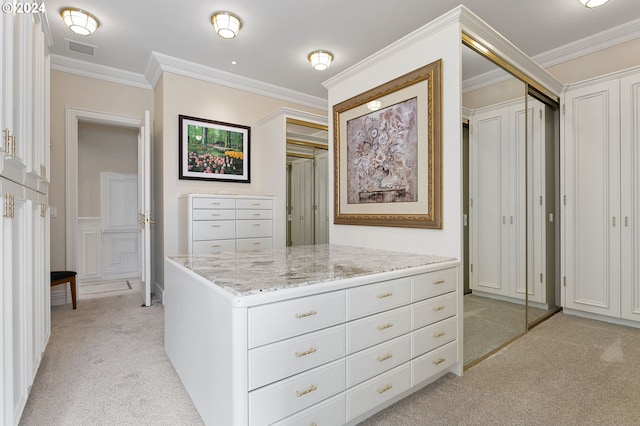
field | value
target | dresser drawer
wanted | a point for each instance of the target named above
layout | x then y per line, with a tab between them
378	328
253	203
371	299
254	214
434	362
378	390
210	214
434	283
254	228
213	246
378	359
432	310
213	230
283	398
433	336
214	203
331	412
281	320
277	361
254	243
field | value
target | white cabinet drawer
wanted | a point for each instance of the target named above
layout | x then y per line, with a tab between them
427	365
371	299
434	283
435	309
281	320
331	412
213	230
371	362
254	228
433	336
254	243
253	203
210	214
378	390
214	203
277	361
283	398
378	328
213	246
254	214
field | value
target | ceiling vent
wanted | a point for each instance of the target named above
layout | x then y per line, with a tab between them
82	48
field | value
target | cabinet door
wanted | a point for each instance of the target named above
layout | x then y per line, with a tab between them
630	196
6	90
591	219
490	222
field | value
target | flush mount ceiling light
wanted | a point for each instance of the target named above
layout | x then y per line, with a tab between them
226	24
320	59
592	3
79	21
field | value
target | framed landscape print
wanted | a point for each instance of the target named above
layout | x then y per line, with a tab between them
388	153
213	150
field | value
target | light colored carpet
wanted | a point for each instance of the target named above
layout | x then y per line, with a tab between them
105	365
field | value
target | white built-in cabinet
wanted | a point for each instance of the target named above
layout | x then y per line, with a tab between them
24	226
601	196
498	216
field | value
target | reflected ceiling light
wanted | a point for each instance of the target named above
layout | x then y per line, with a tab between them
592	3
226	24
79	21
320	59
374	105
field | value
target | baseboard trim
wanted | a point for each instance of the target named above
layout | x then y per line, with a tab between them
603	318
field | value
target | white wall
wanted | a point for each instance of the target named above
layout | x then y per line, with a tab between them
443	43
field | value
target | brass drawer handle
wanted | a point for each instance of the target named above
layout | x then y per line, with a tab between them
439	308
308	314
215	204
438	335
215	214
385	326
215	245
307	352
438	282
256	204
256	244
256	224
215	226
439	361
384	389
306	391
384	358
383	295
256	214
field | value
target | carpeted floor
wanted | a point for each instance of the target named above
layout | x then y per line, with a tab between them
105	365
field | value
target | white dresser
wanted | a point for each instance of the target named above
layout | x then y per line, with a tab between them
309	335
216	223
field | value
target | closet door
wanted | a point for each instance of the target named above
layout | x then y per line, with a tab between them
630	196
592	206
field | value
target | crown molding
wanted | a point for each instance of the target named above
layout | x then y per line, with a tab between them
99	72
159	63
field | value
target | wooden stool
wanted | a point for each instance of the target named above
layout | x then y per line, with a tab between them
63	277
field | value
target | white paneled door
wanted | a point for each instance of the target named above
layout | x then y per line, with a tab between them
144	207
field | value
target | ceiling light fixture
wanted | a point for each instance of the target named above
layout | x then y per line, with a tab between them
226	24
320	59
79	21
592	3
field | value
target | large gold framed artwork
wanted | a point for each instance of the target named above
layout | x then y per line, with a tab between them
388	153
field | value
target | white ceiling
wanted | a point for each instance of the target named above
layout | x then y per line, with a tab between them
277	35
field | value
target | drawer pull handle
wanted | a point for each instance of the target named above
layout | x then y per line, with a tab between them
308	314
256	244
256	214
256	204
439	335
438	282
215	226
215	204
384	358
306	391
385	326
256	224
383	295
215	214
307	352
384	389
215	245
439	361
439	308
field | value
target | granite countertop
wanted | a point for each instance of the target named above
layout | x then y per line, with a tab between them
247	273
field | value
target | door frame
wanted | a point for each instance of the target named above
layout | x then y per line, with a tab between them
73	118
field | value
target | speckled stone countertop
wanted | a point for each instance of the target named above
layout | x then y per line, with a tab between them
247	273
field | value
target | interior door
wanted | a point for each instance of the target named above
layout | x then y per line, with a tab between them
144	207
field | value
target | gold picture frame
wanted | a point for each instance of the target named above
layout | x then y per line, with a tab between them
388	153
